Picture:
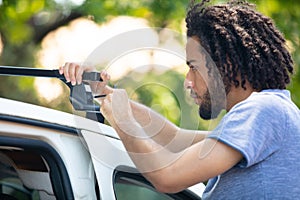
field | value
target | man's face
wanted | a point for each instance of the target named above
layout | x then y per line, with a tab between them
205	89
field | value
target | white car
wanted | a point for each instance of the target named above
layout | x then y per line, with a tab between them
49	154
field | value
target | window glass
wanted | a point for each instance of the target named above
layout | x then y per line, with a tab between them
129	188
25	166
12	188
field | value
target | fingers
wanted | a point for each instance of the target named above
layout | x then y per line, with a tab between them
115	104
105	76
121	108
116	109
72	72
78	75
106	109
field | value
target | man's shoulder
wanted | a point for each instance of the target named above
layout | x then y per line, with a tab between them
266	99
262	106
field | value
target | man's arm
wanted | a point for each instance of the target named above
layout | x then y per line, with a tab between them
163	131
168	171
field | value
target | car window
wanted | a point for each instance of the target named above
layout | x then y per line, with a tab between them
31	169
11	185
129	188
129	184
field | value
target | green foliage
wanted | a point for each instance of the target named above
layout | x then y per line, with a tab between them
159	13
15	16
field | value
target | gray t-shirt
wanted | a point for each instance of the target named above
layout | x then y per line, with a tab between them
265	128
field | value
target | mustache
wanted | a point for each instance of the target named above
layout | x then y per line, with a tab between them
193	94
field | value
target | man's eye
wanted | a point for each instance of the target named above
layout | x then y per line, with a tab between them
193	68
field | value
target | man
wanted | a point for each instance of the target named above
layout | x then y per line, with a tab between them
253	152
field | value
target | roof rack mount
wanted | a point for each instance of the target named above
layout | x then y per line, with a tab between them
81	96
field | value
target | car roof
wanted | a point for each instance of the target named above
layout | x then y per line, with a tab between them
17	109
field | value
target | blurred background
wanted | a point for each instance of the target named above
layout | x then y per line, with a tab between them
48	33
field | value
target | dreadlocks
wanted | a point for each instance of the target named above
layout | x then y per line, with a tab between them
242	42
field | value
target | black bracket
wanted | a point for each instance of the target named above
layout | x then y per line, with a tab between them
81	96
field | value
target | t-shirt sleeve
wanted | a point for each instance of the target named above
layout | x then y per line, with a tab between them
254	128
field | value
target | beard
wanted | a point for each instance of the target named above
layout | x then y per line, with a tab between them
210	108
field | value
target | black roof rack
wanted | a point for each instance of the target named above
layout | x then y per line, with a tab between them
81	96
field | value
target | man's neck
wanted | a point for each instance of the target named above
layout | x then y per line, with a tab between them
238	94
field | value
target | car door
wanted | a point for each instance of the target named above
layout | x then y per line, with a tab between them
116	174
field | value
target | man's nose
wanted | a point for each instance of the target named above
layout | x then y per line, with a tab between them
188	84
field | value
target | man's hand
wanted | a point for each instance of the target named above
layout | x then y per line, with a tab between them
117	110
73	73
